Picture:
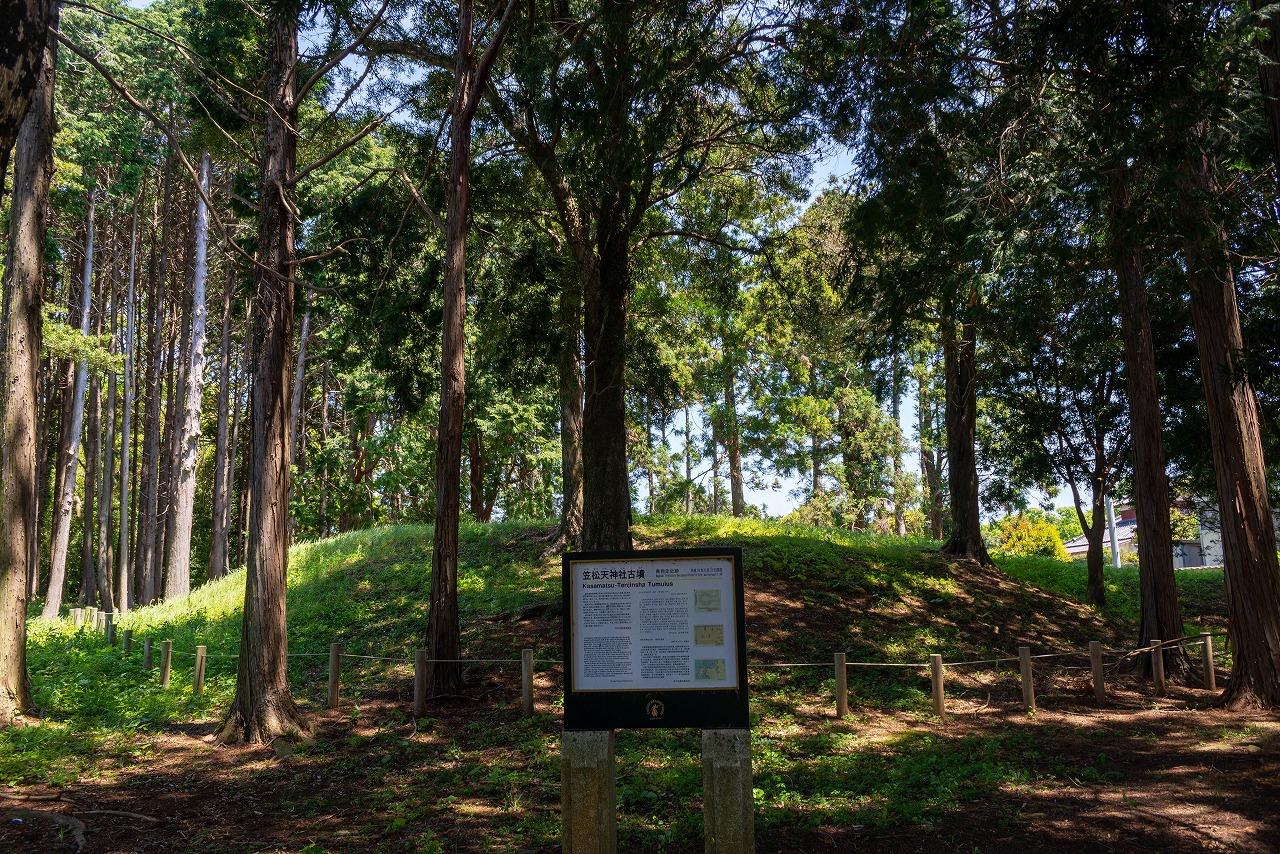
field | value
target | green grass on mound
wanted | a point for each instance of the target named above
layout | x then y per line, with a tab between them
815	591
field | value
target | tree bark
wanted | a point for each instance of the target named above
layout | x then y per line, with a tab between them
1160	616
178	576
1235	438
570	393
22	289
61	535
959	357
222	451
263	707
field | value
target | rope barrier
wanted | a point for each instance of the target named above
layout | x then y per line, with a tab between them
1190	641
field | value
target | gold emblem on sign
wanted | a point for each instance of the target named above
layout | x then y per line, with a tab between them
655	709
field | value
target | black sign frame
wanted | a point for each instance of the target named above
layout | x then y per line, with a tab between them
717	708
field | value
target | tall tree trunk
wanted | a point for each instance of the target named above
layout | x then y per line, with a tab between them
930	470
324	442
733	439
606	489
178	576
61	535
296	415
1093	527
107	456
475	469
471	77
899	505
263	707
688	462
175	410
443	644
1159	615
48	395
124	578
22	54
222	451
145	553
1269	76
22	289
570	393
959	356
1235	438
88	510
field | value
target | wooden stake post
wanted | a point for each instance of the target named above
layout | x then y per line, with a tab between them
1206	662
146	654
526	682
197	678
939	689
1157	667
1099	675
166	662
842	686
420	683
1028	685
335	673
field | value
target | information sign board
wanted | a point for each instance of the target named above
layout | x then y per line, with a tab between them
654	639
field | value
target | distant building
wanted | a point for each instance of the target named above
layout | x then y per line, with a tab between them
1211	533
1186	553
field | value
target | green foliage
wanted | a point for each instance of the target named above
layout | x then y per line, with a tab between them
61	341
1183	526
1024	535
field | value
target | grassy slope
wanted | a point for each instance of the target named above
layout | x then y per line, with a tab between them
811	592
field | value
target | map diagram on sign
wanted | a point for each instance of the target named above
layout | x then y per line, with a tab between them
706	601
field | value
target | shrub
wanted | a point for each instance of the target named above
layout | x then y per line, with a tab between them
1025	536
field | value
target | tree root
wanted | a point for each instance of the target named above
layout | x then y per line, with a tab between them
272	716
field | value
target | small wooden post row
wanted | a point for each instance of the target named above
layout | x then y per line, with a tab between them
111	628
127	647
146	654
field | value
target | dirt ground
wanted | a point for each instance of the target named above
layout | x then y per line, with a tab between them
1180	777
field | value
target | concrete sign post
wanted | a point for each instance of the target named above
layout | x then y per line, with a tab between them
655	639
